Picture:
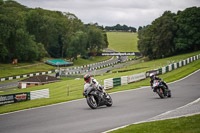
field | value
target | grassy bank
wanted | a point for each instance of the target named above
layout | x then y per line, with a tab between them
122	41
7	70
58	91
180	125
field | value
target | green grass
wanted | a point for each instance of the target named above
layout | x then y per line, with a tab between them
153	64
7	70
179	125
58	91
122	41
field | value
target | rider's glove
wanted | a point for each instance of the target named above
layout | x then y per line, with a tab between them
84	93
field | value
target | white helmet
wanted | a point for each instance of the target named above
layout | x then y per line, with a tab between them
152	75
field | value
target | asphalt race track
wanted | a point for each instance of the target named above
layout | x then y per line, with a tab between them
76	116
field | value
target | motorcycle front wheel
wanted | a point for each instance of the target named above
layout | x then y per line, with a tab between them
160	93
109	101
92	102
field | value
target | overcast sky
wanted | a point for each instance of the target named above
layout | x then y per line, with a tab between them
133	13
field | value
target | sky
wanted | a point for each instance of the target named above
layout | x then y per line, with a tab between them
133	13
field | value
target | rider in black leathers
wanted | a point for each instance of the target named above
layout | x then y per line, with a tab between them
154	77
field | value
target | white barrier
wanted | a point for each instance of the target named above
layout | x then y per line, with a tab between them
170	67
163	69
188	60
124	80
3	79
184	62
39	94
136	77
108	83
175	65
49	72
10	78
180	63
43	73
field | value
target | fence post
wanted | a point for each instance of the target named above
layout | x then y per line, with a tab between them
67	90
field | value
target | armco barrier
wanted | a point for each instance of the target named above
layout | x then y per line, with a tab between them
137	77
178	64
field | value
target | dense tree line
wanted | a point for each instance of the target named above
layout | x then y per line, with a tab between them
119	27
171	34
30	34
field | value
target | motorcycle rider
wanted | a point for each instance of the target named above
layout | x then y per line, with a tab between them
91	82
154	77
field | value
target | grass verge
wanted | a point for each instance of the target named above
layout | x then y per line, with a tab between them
188	124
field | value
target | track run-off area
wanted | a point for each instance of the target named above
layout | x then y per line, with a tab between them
129	106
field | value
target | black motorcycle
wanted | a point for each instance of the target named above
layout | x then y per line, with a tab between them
161	89
96	98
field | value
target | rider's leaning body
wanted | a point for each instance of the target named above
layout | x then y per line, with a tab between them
91	82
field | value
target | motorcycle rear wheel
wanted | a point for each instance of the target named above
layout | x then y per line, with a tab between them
169	93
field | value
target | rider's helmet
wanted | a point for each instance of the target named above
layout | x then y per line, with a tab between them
87	78
152	76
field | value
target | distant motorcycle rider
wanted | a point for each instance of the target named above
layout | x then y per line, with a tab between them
91	82
154	77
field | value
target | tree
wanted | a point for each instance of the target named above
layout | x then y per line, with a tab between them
96	39
78	45
188	34
164	30
53	29
3	52
156	40
16	42
30	34
119	27
145	41
139	28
